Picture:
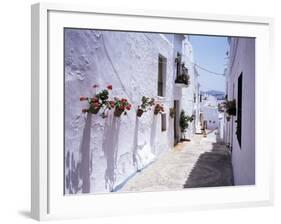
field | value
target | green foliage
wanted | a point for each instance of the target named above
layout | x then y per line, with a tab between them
230	107
184	77
184	121
147	103
103	95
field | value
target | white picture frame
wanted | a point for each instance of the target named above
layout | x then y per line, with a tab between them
48	201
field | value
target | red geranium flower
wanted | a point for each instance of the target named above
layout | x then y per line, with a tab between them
112	103
96	105
95	99
109	87
83	98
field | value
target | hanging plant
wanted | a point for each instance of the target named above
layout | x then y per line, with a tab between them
146	105
98	102
159	108
221	107
121	105
230	107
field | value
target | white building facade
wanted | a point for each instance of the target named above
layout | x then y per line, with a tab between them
209	108
240	129
101	154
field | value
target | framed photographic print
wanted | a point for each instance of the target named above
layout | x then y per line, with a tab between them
148	111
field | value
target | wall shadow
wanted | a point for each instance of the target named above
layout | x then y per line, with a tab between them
85	155
73	176
110	149
212	169
170	130
79	171
153	134
135	144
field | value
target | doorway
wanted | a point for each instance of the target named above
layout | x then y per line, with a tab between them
176	122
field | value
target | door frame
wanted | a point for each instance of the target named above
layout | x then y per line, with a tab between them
176	122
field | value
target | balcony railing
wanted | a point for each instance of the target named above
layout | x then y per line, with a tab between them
183	79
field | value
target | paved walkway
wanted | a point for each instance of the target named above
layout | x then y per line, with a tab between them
199	163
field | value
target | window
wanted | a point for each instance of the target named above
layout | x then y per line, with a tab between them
239	109
161	75
163	122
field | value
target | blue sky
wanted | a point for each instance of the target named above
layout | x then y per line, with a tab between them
210	53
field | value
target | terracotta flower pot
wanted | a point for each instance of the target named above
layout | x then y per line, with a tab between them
156	111
158	108
139	112
118	112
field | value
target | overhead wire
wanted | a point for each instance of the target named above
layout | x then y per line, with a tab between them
207	70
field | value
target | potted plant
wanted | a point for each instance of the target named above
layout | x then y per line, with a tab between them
184	123
100	100
159	108
221	107
94	105
121	105
146	105
172	112
230	107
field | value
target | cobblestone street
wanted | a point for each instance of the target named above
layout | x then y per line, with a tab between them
202	162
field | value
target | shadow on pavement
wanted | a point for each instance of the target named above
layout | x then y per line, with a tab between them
212	169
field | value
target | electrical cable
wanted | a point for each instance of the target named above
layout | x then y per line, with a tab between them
207	70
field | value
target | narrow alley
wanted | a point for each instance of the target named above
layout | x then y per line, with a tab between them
202	162
163	116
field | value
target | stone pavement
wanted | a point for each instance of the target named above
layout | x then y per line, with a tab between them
202	162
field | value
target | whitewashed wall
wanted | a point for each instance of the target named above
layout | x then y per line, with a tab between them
220	138
101	154
209	107
197	108
242	59
187	94
211	115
